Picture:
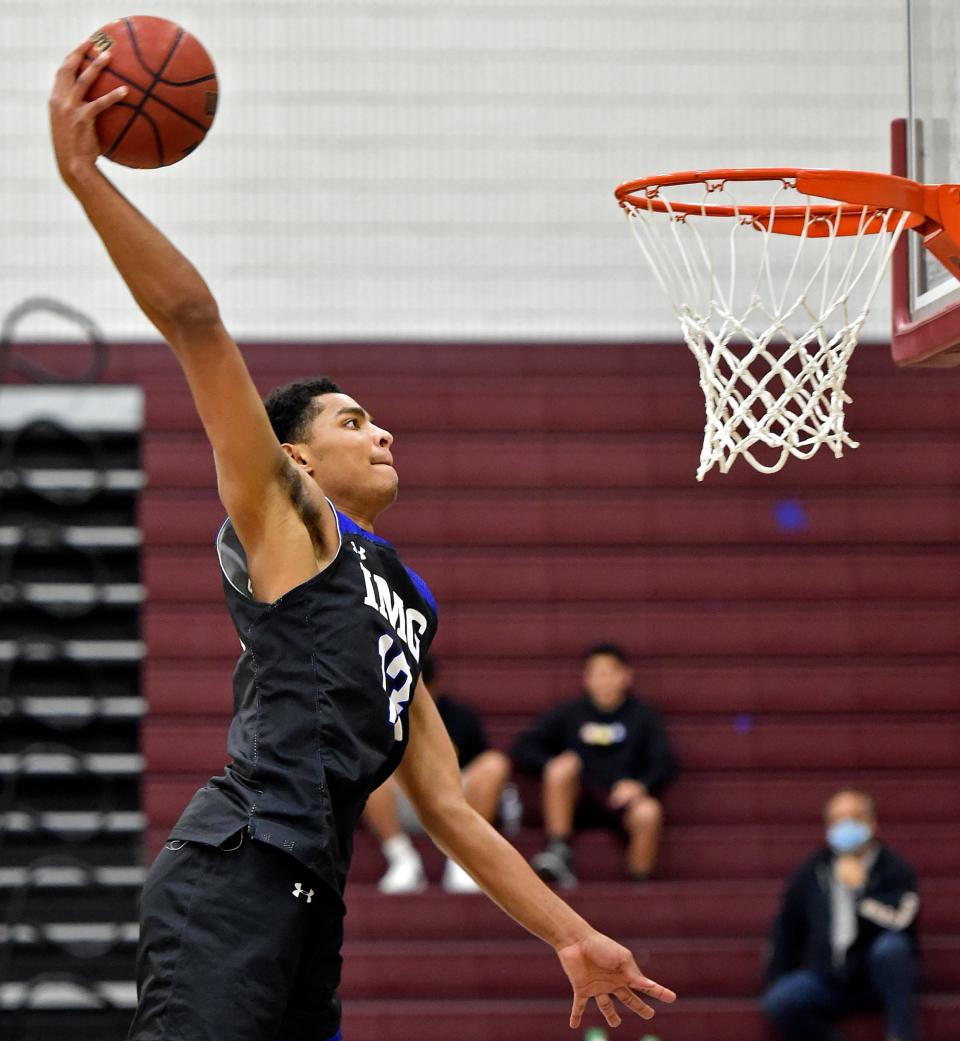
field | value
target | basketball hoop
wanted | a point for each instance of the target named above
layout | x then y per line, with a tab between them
771	298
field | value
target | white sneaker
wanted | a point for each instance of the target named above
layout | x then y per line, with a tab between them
405	875
456	880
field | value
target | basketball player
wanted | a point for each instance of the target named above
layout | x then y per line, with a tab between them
242	911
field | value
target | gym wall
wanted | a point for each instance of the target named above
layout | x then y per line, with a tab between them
404	169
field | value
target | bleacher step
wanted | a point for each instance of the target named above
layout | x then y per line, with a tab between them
690	1019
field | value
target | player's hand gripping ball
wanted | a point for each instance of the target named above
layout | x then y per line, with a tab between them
171	91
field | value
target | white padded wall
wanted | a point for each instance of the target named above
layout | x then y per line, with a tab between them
404	169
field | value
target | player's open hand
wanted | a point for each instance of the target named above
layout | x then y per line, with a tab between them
602	969
71	116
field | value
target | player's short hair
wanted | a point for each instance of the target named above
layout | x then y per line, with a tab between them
293	407
605	648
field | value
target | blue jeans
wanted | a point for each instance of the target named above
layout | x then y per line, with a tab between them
803	1005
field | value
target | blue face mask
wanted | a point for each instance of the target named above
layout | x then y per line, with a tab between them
848	834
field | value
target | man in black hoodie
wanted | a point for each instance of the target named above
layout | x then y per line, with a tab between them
604	757
845	937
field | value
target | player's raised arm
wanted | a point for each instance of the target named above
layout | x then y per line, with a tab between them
598	967
253	472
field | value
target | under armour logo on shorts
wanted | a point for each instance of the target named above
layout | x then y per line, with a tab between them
298	890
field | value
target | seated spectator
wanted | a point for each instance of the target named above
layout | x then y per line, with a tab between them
484	772
604	758
844	939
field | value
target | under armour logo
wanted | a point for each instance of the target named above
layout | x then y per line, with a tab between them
298	890
359	550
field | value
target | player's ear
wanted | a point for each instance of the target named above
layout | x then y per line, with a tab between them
298	454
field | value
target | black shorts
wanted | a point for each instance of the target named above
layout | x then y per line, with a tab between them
594	809
238	942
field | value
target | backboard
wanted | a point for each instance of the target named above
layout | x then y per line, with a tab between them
926	148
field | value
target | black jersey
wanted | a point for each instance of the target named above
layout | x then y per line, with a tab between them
465	728
320	694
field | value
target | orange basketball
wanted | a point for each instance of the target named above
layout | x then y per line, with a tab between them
172	91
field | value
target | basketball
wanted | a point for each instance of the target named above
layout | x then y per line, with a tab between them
172	96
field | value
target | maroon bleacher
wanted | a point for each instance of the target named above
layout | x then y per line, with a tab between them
799	631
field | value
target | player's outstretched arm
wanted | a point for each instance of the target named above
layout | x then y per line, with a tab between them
598	967
253	472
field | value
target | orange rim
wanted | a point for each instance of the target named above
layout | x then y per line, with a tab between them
883	195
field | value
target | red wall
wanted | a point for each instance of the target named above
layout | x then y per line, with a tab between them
800	631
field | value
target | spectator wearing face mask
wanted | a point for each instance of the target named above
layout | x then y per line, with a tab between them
845	939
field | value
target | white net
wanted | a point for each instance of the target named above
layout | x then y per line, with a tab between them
772	318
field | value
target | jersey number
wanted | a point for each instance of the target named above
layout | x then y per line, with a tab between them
397	679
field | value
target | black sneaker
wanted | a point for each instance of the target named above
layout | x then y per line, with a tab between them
554	866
